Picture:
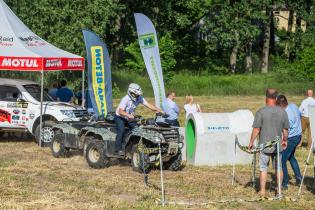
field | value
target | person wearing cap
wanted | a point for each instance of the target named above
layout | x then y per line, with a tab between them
125	112
306	103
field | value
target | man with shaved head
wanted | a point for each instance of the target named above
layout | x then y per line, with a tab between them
306	103
270	122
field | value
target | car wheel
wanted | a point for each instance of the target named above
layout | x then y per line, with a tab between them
57	146
47	133
139	161
95	154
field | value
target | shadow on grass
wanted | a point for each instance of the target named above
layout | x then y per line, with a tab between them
254	185
271	185
73	153
309	182
16	137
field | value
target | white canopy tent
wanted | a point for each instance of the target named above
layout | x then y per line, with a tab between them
23	50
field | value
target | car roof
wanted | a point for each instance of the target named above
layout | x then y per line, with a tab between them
7	81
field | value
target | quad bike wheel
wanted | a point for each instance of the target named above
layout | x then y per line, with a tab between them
139	161
175	163
57	146
95	154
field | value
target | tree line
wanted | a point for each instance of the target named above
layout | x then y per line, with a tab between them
195	36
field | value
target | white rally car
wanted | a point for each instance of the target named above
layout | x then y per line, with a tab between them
20	109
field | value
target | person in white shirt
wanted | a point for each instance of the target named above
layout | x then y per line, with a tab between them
306	103
190	106
125	111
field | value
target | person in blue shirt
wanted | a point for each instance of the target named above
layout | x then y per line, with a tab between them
64	94
171	109
53	91
294	138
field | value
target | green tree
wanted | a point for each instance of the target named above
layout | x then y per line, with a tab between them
231	26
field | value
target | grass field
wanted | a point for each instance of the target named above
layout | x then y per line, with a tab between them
30	178
216	85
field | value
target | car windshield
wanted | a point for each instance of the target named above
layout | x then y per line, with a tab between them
34	90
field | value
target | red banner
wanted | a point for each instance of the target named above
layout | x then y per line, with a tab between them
38	64
21	63
63	63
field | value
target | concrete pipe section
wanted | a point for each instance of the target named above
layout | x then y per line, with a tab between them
210	138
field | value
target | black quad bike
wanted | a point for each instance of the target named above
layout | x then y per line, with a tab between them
141	145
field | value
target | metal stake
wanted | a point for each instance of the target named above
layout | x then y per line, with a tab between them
254	171
161	169
144	170
278	170
306	165
234	161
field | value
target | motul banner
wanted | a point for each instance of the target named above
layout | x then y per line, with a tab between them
36	64
63	63
150	51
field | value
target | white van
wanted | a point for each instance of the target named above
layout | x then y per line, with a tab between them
20	109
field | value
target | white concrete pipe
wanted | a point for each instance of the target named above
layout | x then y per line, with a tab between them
210	137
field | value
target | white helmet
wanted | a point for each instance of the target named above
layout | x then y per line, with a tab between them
134	91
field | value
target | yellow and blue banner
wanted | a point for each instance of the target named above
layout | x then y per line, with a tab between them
99	74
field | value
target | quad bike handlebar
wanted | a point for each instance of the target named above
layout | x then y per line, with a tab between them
163	115
140	120
137	119
150	121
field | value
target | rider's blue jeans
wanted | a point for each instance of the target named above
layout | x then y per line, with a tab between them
288	154
121	124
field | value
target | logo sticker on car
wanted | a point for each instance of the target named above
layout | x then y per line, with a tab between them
16	111
15	117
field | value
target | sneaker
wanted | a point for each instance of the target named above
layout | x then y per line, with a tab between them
284	188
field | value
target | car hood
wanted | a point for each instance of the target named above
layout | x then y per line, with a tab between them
62	106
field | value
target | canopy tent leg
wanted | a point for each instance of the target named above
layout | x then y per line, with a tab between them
41	108
83	98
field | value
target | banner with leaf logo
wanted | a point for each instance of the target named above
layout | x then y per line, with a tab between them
151	55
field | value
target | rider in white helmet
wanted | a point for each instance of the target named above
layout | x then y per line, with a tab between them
126	110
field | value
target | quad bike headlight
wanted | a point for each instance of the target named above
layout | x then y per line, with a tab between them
68	113
157	139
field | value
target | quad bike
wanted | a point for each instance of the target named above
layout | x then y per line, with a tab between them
141	145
